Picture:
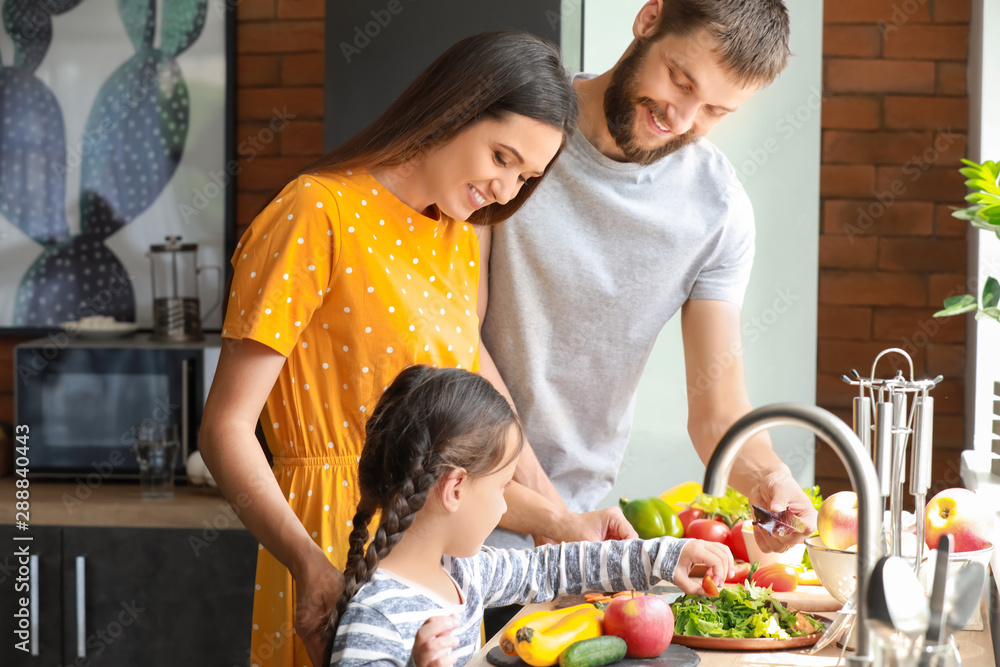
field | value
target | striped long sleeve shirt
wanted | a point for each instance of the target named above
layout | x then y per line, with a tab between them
381	622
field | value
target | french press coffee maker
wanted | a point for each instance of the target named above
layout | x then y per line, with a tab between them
176	308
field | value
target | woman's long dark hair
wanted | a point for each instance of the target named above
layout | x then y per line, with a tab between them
484	77
428	422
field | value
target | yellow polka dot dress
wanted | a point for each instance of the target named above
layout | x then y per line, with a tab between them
352	286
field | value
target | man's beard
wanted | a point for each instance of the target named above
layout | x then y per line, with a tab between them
620	103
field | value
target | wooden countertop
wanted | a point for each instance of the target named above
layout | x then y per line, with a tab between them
975	646
118	504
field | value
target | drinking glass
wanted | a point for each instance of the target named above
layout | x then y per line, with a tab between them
156	446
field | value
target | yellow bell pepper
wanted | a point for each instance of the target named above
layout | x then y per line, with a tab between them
542	648
680	496
539	620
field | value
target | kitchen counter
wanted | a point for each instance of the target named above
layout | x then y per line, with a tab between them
975	646
118	505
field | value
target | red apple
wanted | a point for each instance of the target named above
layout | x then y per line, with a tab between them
961	514
838	520
646	624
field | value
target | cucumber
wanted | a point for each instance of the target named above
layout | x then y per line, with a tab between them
593	652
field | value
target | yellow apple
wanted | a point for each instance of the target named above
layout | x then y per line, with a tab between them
961	514
838	520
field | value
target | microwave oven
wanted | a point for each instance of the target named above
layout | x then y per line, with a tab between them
82	399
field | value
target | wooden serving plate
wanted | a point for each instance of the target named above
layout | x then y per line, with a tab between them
740	644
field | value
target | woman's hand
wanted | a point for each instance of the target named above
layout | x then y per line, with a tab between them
776	492
434	641
318	587
715	555
596	526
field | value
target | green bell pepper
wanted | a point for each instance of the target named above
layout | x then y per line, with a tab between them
651	517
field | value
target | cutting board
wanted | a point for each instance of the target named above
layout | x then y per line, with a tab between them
675	656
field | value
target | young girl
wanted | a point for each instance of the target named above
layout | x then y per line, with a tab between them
361	266
440	447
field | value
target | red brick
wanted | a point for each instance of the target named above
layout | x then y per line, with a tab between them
874	11
930	113
256	71
301	9
946	469
875	288
930	42
949	431
952	11
858	41
940	286
903	324
945	224
949	148
255	139
270	103
841	252
303	138
858	217
302	69
269	173
845	322
280	37
248	205
949	397
851	112
846	181
832	391
840	356
878	76
921	254
947	360
248	10
914	182
951	79
873	147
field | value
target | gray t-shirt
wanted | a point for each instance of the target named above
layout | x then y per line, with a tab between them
583	278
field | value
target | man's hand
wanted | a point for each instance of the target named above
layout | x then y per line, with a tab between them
434	641
776	492
596	526
317	590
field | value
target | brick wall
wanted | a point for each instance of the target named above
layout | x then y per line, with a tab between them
894	128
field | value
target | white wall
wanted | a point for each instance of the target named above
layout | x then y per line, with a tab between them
774	143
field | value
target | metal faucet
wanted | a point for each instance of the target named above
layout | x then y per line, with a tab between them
859	466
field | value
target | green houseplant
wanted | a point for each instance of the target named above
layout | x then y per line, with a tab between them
982	213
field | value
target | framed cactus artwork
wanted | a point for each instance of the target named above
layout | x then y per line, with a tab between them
115	131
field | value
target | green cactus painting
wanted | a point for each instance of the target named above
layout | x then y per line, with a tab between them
136	132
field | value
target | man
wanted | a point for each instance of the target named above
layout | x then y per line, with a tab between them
639	218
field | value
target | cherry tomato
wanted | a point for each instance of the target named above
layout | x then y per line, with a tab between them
707	529
687	515
711	590
736	544
740	575
780	577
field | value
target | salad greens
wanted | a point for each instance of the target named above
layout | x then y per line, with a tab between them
729	509
744	612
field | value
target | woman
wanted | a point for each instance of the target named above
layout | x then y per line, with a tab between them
360	267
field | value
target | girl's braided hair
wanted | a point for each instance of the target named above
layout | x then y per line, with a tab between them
429	421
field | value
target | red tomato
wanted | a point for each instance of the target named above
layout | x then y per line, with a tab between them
740	575
711	590
780	577
687	515
736	544
707	529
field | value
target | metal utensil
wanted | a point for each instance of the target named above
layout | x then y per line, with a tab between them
896	599
965	596
935	630
844	621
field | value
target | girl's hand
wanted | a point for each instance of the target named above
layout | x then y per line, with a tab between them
715	555
318	587
434	641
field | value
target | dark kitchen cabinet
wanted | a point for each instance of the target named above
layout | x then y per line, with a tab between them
143	596
45	573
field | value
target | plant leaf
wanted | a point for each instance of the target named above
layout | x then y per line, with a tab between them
989	312
991	293
957	305
778	523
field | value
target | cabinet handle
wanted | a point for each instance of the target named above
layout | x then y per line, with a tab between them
33	608
81	608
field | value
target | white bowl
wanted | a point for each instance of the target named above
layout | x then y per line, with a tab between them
837	570
793	556
956	561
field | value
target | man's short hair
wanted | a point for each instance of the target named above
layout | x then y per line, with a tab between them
751	36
